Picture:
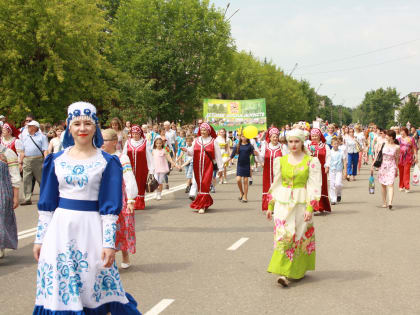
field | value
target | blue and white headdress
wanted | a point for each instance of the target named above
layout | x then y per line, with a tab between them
82	111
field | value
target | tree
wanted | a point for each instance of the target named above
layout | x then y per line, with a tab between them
313	100
176	48
379	106
410	112
50	56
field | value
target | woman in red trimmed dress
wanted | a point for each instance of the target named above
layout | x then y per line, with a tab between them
10	137
269	152
141	161
126	227
319	149
205	152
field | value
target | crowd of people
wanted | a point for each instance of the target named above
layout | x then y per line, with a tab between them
84	219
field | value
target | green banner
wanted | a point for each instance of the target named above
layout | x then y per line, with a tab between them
232	114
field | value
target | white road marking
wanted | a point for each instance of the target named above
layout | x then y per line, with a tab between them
238	243
151	196
27	231
160	307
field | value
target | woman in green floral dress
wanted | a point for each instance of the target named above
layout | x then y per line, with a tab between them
295	191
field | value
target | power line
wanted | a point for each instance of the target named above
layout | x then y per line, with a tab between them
361	67
361	54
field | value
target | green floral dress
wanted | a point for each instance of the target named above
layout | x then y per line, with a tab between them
295	189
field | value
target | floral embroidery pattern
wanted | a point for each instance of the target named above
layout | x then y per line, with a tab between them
69	267
286	243
44	283
110	235
77	176
108	283
40	232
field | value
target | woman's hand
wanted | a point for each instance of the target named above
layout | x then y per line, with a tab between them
269	215
37	251
308	216
108	257
327	169
130	207
184	149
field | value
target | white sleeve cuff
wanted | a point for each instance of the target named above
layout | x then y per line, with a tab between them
44	219
109	230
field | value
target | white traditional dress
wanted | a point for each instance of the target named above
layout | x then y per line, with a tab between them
295	189
223	145
78	210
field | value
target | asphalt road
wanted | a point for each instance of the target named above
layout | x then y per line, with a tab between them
368	258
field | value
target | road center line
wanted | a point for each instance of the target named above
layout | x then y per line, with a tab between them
160	307
238	243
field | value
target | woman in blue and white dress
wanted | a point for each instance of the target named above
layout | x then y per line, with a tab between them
78	211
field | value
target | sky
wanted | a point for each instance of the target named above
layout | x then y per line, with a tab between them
329	39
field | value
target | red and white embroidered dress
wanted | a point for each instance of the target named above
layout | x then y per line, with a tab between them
205	151
141	161
269	153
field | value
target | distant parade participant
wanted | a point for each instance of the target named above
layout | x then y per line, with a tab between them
408	157
295	192
9	198
10	137
206	152
321	150
79	204
271	149
126	227
244	149
337	160
223	141
388	170
141	161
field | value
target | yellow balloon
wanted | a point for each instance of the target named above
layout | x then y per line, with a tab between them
250	132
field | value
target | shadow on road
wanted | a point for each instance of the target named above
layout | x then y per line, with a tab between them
157	268
14	261
337	275
230	229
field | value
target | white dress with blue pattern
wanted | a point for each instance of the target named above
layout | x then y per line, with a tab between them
78	210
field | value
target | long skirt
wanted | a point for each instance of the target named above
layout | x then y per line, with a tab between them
294	241
71	276
126	232
8	228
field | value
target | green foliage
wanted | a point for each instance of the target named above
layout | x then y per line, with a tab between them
177	48
378	107
50	56
410	112
139	60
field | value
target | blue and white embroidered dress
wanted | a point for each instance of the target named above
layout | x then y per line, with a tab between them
78	210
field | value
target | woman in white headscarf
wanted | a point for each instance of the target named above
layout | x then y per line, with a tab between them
295	191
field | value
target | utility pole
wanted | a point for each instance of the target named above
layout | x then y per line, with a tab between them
293	70
232	15
227	7
318	88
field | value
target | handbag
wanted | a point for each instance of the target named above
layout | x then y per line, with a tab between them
358	146
151	183
416	175
215	167
378	161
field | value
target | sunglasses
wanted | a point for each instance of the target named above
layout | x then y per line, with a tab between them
28	120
